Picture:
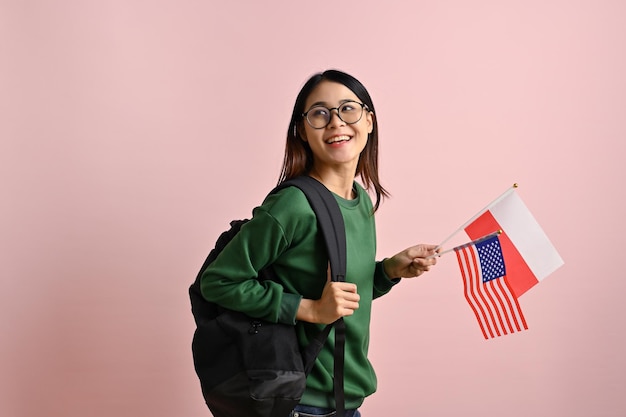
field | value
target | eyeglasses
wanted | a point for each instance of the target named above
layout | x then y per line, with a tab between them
350	112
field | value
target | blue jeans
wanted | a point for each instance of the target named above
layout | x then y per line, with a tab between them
308	411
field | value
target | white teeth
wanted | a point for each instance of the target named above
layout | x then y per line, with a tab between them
338	139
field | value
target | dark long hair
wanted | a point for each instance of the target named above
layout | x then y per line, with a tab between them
298	155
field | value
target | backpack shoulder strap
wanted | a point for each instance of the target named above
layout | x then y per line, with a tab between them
331	223
329	218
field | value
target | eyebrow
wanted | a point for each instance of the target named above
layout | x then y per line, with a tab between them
325	104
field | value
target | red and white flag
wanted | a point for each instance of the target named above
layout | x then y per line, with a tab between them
509	254
528	254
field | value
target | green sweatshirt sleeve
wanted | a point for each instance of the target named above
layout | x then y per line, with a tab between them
281	233
230	280
382	283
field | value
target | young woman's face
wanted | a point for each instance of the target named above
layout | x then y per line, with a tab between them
339	142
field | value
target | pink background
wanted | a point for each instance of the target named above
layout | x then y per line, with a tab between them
133	131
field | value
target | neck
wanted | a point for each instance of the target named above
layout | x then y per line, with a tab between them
339	183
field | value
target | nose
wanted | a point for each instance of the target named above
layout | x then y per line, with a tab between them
335	121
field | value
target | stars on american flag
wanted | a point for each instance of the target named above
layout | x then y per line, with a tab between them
491	260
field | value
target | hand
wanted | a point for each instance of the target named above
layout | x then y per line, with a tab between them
339	299
411	262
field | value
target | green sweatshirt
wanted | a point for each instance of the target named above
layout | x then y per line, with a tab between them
283	233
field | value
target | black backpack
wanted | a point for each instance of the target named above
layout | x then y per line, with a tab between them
252	368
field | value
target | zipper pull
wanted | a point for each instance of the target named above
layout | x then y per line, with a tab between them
254	327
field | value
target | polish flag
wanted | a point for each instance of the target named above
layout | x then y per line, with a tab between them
528	253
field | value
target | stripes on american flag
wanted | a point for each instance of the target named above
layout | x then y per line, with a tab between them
487	289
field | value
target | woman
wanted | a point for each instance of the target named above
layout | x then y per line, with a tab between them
332	137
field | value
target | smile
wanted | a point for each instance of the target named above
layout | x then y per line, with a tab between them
337	139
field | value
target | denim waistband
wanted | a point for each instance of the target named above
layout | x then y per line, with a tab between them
309	411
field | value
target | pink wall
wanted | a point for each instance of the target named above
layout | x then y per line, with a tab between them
132	131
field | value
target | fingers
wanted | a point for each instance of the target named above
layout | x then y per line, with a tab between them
423	250
343	293
423	264
346	297
345	286
339	299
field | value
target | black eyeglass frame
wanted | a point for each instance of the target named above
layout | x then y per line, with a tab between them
330	111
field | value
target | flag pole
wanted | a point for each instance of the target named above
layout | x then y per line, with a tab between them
477	215
473	242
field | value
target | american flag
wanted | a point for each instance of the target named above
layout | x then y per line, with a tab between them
487	289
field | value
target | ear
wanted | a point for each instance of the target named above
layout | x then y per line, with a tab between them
302	132
369	118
